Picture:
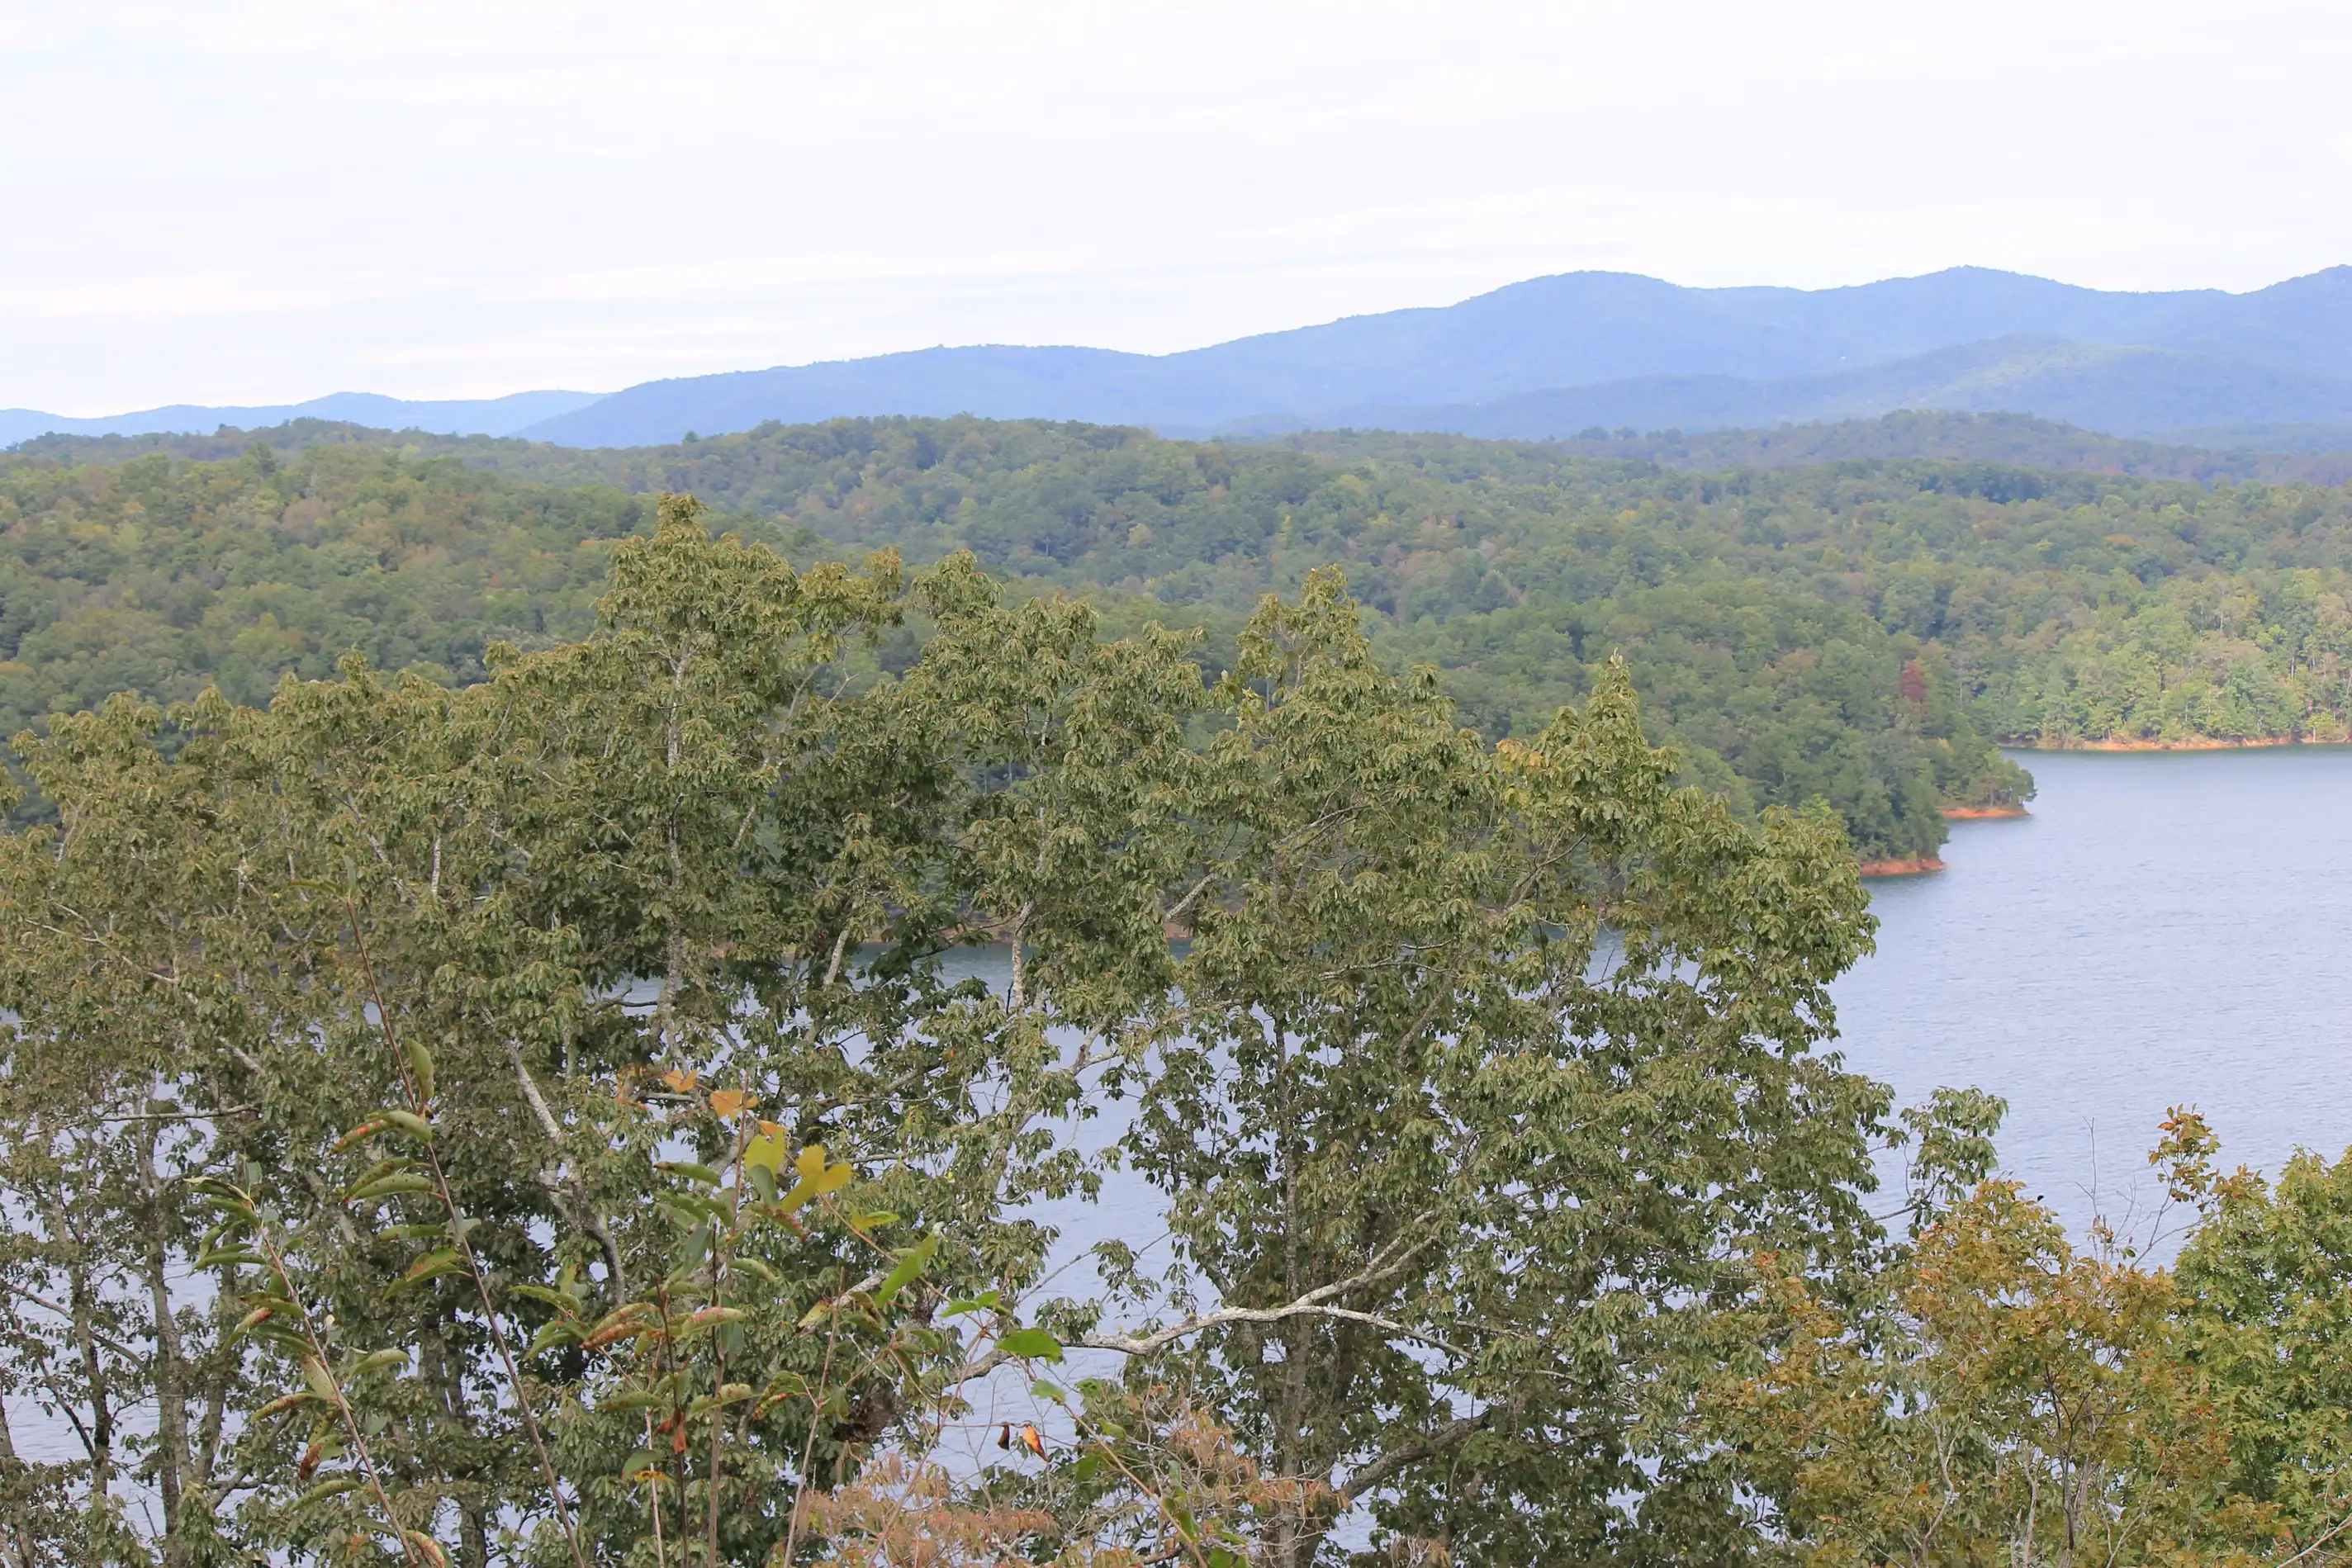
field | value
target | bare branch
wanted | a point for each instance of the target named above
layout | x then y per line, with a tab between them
1387	1264
1429	1444
1145	1344
538	1103
1176	911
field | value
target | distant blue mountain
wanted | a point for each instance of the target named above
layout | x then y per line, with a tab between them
1549	355
1577	330
463	416
2121	391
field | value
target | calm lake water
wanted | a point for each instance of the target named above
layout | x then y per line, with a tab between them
2166	928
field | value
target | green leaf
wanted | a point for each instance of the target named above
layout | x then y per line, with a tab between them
388	1187
431	1266
552	1335
987	1301
690	1171
420	1067
237	1257
911	1263
377	1360
1084	1471
710	1318
333	1486
408	1122
1030	1345
378	1172
1048	1392
634	1400
358	1135
315	1373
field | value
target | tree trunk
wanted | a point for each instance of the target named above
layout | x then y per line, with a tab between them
14	1474
473	1532
172	1458
81	1304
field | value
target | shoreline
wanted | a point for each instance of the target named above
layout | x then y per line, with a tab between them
2193	743
1983	813
1915	866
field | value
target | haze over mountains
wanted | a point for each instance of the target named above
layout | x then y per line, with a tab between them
1550	357
452	416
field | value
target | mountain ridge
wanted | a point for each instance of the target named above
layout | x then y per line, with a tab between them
1568	330
1572	348
439	416
2085	384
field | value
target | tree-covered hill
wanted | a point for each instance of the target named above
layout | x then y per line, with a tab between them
1858	631
2308	454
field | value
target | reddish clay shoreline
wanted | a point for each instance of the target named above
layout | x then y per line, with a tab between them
1981	813
1918	865
2194	743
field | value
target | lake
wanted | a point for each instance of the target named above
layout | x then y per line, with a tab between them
2166	928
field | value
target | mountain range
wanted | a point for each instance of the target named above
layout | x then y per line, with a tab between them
1550	357
452	416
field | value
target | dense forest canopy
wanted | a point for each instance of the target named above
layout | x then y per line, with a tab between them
1860	632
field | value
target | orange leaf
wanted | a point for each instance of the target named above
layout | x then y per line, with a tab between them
730	1102
680	1081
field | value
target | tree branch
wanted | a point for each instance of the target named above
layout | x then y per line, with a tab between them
1145	1344
1429	1444
1387	1264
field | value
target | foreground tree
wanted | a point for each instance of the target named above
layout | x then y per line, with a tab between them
1481	1064
535	1123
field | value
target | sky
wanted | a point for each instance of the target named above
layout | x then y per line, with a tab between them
262	201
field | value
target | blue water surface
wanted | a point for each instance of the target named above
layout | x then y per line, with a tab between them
2164	929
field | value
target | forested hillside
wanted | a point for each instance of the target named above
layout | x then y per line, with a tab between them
1857	631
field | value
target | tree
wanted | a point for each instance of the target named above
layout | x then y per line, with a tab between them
555	1088
1986	1394
1480	1064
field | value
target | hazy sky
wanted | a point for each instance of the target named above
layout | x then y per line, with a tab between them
225	201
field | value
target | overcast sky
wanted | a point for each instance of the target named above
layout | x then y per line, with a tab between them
243	201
